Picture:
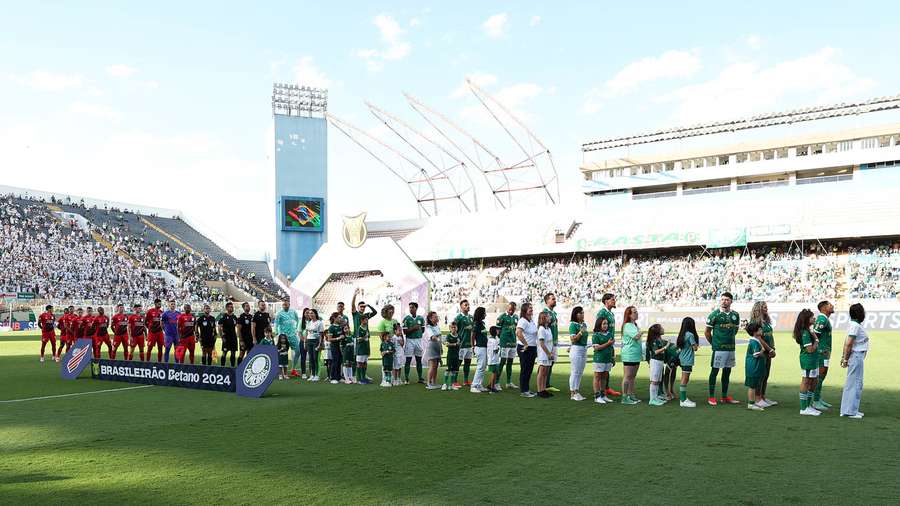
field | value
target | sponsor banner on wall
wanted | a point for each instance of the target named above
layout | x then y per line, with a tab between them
201	377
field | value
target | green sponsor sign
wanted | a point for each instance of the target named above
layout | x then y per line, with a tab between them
25	296
639	241
727	237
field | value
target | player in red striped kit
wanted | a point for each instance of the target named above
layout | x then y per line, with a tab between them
155	330
101	336
77	332
186	324
88	324
120	331
136	332
63	325
47	324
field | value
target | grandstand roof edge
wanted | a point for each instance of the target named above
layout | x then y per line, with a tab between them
90	201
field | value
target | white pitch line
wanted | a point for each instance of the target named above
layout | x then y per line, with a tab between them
76	393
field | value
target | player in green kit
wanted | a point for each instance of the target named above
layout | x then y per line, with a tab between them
609	303
358	311
413	326
362	350
507	323
809	361
822	328
721	327
465	324
550	309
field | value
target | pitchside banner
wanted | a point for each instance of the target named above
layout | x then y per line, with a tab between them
251	379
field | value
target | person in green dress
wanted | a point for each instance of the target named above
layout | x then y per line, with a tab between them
754	366
809	361
760	314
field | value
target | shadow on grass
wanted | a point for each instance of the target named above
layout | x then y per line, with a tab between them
30	478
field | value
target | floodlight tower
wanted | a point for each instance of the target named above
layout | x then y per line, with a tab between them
301	174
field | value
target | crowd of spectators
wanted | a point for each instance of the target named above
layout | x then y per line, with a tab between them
874	271
62	261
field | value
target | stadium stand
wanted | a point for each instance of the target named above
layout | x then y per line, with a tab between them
116	255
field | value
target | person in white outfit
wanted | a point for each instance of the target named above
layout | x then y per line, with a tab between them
479	349
578	333
544	354
854	355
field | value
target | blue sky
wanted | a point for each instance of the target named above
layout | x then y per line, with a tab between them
167	103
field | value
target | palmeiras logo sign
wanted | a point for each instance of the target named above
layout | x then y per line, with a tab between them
355	231
257	371
76	359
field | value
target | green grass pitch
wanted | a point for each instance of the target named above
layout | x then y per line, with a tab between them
350	444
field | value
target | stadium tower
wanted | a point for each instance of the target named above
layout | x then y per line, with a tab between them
301	175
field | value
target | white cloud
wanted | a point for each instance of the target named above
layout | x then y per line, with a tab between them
535	20
395	47
94	110
495	26
307	74
121	70
671	64
748	87
49	81
480	79
415	22
753	41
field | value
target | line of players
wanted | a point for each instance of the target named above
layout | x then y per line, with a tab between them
163	330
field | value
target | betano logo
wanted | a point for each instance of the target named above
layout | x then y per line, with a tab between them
78	355
355	231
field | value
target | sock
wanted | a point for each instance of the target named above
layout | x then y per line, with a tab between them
232	359
682	392
168	348
804	403
817	395
712	381
454	378
509	370
654	391
406	368
467	364
419	367
549	375
446	378
726	377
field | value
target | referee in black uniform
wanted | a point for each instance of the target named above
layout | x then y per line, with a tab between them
207	327
245	325
228	330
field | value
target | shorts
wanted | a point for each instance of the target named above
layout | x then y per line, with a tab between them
137	341
246	344
753	382
631	364
229	344
452	361
122	339
543	357
687	368
282	360
49	337
399	361
823	359
465	353
207	342
723	359
156	338
413	347
387	364
809	373
348	354
97	339
544	361
494	368
656	370
603	366
171	339
362	359
507	353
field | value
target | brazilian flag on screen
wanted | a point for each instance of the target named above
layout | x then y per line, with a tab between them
302	213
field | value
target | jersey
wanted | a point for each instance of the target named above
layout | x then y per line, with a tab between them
575	328
186	322
464	325
754	366
768	335
554	324
101	322
724	327
357	321
479	334
410	321
362	341
607	315
153	320
228	322
387	355
822	327
47	323
808	360
262	321
136	325
507	324
88	326
652	347
604	356
206	325
287	322
493	351
120	324
170	322
245	320
336	330
77	331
